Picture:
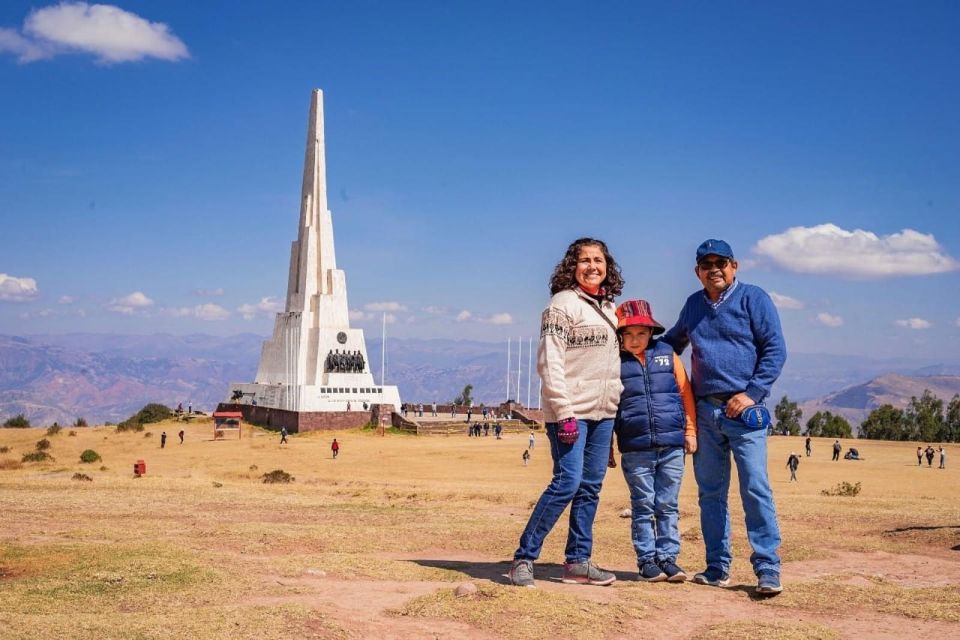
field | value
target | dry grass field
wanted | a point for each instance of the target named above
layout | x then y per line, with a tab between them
373	544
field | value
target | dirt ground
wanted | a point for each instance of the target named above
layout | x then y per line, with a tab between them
374	543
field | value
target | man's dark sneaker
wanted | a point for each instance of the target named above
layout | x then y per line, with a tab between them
713	577
674	573
521	573
768	583
650	572
587	573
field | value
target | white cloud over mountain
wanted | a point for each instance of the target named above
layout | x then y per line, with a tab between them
827	249
384	306
267	306
13	289
105	31
785	302
130	303
210	312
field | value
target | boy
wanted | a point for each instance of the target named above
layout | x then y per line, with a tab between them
655	426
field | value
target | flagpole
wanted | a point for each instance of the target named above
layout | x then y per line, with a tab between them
508	370
383	350
529	367
519	354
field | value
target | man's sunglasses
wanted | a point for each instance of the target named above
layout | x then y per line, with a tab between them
719	263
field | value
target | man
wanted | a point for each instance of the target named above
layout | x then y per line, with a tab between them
283	435
738	353
836	449
792	463
335	448
809	447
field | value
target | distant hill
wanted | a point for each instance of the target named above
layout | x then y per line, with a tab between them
108	377
856	402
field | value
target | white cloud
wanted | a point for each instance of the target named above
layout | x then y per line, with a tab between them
209	293
130	303
435	310
14	289
356	315
384	306
267	306
828	249
828	320
67	300
914	323
464	315
209	311
785	302
105	31
390	318
500	318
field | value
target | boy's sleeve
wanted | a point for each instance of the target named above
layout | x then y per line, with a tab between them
686	394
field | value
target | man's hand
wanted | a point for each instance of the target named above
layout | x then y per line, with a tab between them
690	444
612	460
736	404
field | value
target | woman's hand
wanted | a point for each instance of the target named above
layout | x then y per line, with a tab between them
567	431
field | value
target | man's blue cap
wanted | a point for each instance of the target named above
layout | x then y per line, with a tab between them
714	247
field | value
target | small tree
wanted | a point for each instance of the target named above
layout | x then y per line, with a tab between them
81	422
89	456
788	417
924	417
43	444
827	425
884	423
466	396
952	423
18	421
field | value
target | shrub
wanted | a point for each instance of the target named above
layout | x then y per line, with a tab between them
43	444
53	429
253	467
72	434
277	476
148	434
18	421
152	412
89	455
81	422
36	456
10	465
843	489
82	476
4	449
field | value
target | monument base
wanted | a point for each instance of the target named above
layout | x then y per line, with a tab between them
304	421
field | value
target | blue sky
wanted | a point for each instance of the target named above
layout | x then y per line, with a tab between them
151	152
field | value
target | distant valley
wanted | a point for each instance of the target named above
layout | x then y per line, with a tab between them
108	377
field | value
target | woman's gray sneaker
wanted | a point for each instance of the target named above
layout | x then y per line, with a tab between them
587	573
521	573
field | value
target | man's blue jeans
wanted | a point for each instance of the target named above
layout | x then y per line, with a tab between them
653	477
718	437
578	472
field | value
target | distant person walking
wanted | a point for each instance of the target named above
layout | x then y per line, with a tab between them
943	458
929	451
808	447
163	439
181	434
579	365
837	448
792	463
526	456
335	448
532	441
433	409
497	430
283	435
919	456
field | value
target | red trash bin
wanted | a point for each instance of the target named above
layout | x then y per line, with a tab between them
139	468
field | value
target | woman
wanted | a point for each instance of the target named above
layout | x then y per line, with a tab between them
579	364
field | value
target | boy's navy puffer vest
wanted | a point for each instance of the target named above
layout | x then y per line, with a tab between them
651	410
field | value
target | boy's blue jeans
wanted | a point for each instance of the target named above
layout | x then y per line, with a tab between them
578	472
718	437
653	477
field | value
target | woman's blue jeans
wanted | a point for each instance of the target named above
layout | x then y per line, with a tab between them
578	472
653	477
718	437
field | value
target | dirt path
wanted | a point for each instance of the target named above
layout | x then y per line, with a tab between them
362	606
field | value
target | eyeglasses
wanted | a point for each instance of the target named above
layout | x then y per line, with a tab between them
720	263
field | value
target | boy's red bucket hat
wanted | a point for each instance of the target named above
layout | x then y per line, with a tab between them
637	312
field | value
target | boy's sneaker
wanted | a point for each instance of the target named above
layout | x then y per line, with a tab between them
587	573
521	573
650	572
768	583
674	573
713	577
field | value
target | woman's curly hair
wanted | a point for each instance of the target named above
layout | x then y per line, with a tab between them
564	273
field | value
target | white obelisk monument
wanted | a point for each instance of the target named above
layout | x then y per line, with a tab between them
315	361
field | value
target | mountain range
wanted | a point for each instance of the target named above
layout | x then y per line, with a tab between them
108	377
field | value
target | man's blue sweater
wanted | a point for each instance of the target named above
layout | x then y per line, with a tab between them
737	347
